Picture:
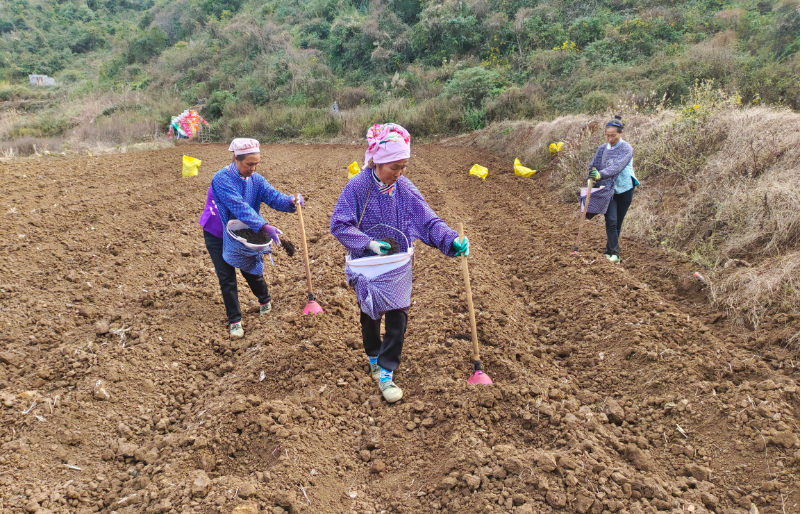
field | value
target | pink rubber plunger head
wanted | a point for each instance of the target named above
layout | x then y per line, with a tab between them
312	307
479	377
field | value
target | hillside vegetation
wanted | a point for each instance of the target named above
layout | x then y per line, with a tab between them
719	187
272	69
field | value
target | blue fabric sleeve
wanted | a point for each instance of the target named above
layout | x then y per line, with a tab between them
227	194
596	161
427	226
274	198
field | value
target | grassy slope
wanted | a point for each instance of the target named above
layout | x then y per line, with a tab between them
719	186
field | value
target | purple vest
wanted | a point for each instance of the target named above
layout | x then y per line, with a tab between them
210	219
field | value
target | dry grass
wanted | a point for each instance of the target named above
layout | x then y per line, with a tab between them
755	292
719	187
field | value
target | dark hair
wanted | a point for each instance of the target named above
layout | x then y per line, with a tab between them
241	158
617	122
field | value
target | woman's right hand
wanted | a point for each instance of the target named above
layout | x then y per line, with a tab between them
595	175
379	247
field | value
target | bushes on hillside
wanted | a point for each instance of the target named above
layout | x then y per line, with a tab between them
473	85
147	45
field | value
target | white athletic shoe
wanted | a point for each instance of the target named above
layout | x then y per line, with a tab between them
391	392
264	309
236	330
375	371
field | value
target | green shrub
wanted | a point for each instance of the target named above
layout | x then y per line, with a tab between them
147	45
474	119
218	7
596	102
473	85
444	31
216	104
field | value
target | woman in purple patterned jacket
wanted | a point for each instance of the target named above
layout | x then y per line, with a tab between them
376	203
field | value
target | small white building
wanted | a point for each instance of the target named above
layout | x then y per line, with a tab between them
41	80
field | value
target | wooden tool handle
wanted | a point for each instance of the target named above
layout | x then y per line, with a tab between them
583	214
305	248
466	273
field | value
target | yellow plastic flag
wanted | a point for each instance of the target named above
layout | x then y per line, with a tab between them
353	170
479	171
522	170
555	148
190	166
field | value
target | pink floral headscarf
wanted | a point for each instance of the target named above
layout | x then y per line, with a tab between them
387	143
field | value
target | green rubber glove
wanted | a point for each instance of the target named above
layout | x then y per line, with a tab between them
595	175
461	247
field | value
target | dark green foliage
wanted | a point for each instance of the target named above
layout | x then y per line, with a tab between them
406	10
147	45
217	7
442	35
215	106
786	31
473	85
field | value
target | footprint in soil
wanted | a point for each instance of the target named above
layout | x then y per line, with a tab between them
260	238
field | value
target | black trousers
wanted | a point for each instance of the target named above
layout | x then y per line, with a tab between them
614	220
389	349
226	274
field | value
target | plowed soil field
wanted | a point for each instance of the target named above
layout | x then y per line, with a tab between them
617	389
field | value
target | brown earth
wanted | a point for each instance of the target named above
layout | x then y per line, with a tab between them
616	389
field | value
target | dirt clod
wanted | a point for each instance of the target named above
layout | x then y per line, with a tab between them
614	412
287	245
201	485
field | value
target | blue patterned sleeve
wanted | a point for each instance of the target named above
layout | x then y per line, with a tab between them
229	196
344	221
618	162
596	161
427	226
274	198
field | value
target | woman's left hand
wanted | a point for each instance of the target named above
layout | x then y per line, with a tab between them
462	247
299	200
273	232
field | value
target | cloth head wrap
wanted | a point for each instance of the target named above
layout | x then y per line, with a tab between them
387	143
244	146
615	123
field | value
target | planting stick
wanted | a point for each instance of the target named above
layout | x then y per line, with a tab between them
583	214
478	377
312	307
